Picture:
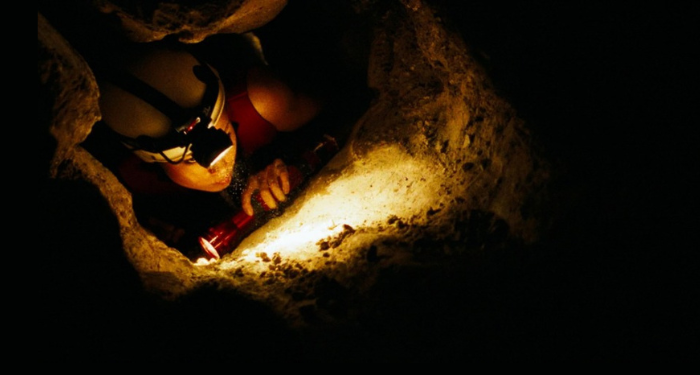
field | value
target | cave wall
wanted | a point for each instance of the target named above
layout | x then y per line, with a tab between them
434	109
189	22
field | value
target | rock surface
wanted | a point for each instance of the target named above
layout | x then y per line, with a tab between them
438	171
189	22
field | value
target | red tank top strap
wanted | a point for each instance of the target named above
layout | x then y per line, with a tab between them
253	130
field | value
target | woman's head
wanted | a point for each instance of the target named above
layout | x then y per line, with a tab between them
190	174
167	107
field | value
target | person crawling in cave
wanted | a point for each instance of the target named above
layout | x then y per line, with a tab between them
194	141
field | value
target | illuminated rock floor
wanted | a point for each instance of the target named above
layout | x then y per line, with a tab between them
439	261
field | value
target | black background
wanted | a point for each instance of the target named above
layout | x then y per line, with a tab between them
611	91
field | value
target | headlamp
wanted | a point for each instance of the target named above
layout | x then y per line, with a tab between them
208	144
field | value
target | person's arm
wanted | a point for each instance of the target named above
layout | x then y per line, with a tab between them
277	103
287	111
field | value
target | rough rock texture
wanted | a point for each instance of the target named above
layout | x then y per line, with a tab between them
438	167
67	91
192	21
438	170
64	75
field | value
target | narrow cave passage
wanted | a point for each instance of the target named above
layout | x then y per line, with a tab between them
428	199
433	162
325	65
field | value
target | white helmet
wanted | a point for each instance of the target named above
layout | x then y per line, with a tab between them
163	104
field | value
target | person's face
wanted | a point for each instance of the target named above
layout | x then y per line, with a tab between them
213	179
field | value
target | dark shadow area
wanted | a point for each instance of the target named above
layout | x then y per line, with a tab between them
608	91
93	308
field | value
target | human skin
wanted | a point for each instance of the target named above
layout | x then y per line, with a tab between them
216	178
286	110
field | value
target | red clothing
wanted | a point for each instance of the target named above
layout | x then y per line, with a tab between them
252	131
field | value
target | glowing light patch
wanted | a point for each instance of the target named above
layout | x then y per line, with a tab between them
204	261
385	183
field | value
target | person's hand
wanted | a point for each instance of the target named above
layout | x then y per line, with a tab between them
272	183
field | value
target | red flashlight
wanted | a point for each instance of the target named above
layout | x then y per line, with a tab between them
225	236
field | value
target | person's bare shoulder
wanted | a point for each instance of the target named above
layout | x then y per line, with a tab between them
277	103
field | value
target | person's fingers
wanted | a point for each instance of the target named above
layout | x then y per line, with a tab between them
283	175
268	198
247	195
264	190
273	182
